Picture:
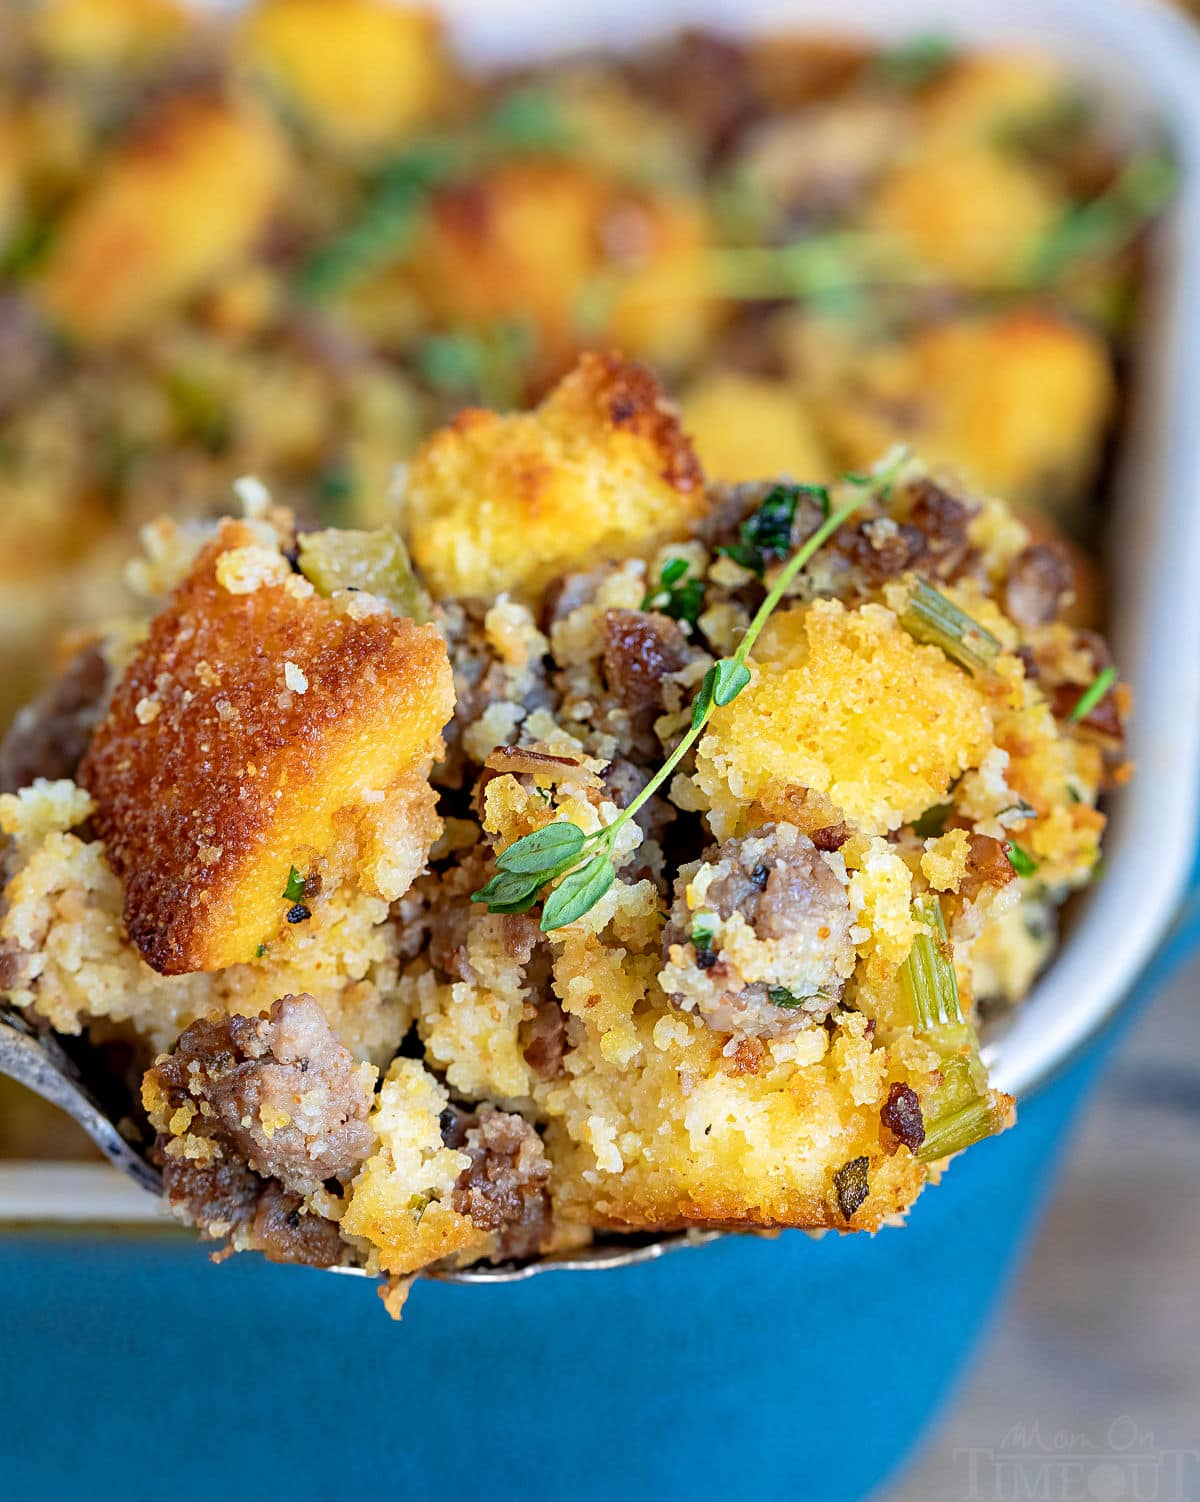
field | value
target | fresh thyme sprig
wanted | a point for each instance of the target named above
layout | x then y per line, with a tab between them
531	863
1105	225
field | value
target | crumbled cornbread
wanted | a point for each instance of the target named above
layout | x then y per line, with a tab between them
762	1015
846	703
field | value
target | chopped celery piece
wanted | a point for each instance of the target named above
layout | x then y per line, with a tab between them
928	977
931	618
957	1129
375	562
964	1078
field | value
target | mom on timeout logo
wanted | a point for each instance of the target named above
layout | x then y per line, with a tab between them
1120	1464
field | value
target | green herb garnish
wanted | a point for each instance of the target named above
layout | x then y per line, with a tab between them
704	931
780	996
418	1204
852	1185
393	210
1020	859
1092	695
913	63
1099	229
532	862
928	977
767	533
578	892
398	197
260	951
931	618
335	488
489	365
529	118
294	889
677	595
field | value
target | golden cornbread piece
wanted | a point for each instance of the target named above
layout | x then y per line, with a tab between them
990	96
601	470
96	34
844	702
361	71
530	240
695	1133
257	727
177	205
972	213
1016	401
746	426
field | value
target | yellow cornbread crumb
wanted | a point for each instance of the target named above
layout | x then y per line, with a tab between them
845	702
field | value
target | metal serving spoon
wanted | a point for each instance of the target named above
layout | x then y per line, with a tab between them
36	1058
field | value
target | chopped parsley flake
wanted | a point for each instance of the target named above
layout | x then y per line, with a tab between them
704	931
767	533
678	596
780	996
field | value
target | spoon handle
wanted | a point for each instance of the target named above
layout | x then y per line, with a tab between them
39	1063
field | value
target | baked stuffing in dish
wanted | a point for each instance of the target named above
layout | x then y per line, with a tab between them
638	857
293	242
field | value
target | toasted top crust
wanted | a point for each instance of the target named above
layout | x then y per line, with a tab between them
245	726
601	470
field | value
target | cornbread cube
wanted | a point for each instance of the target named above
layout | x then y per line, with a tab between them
1016	401
847	703
602	469
972	212
66	956
529	240
745	427
694	1134
362	72
94	34
259	728
988	95
177	205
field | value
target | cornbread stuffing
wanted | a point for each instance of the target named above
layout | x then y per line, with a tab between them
292	238
750	799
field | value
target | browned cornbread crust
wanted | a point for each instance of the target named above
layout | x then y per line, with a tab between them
601	469
212	775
